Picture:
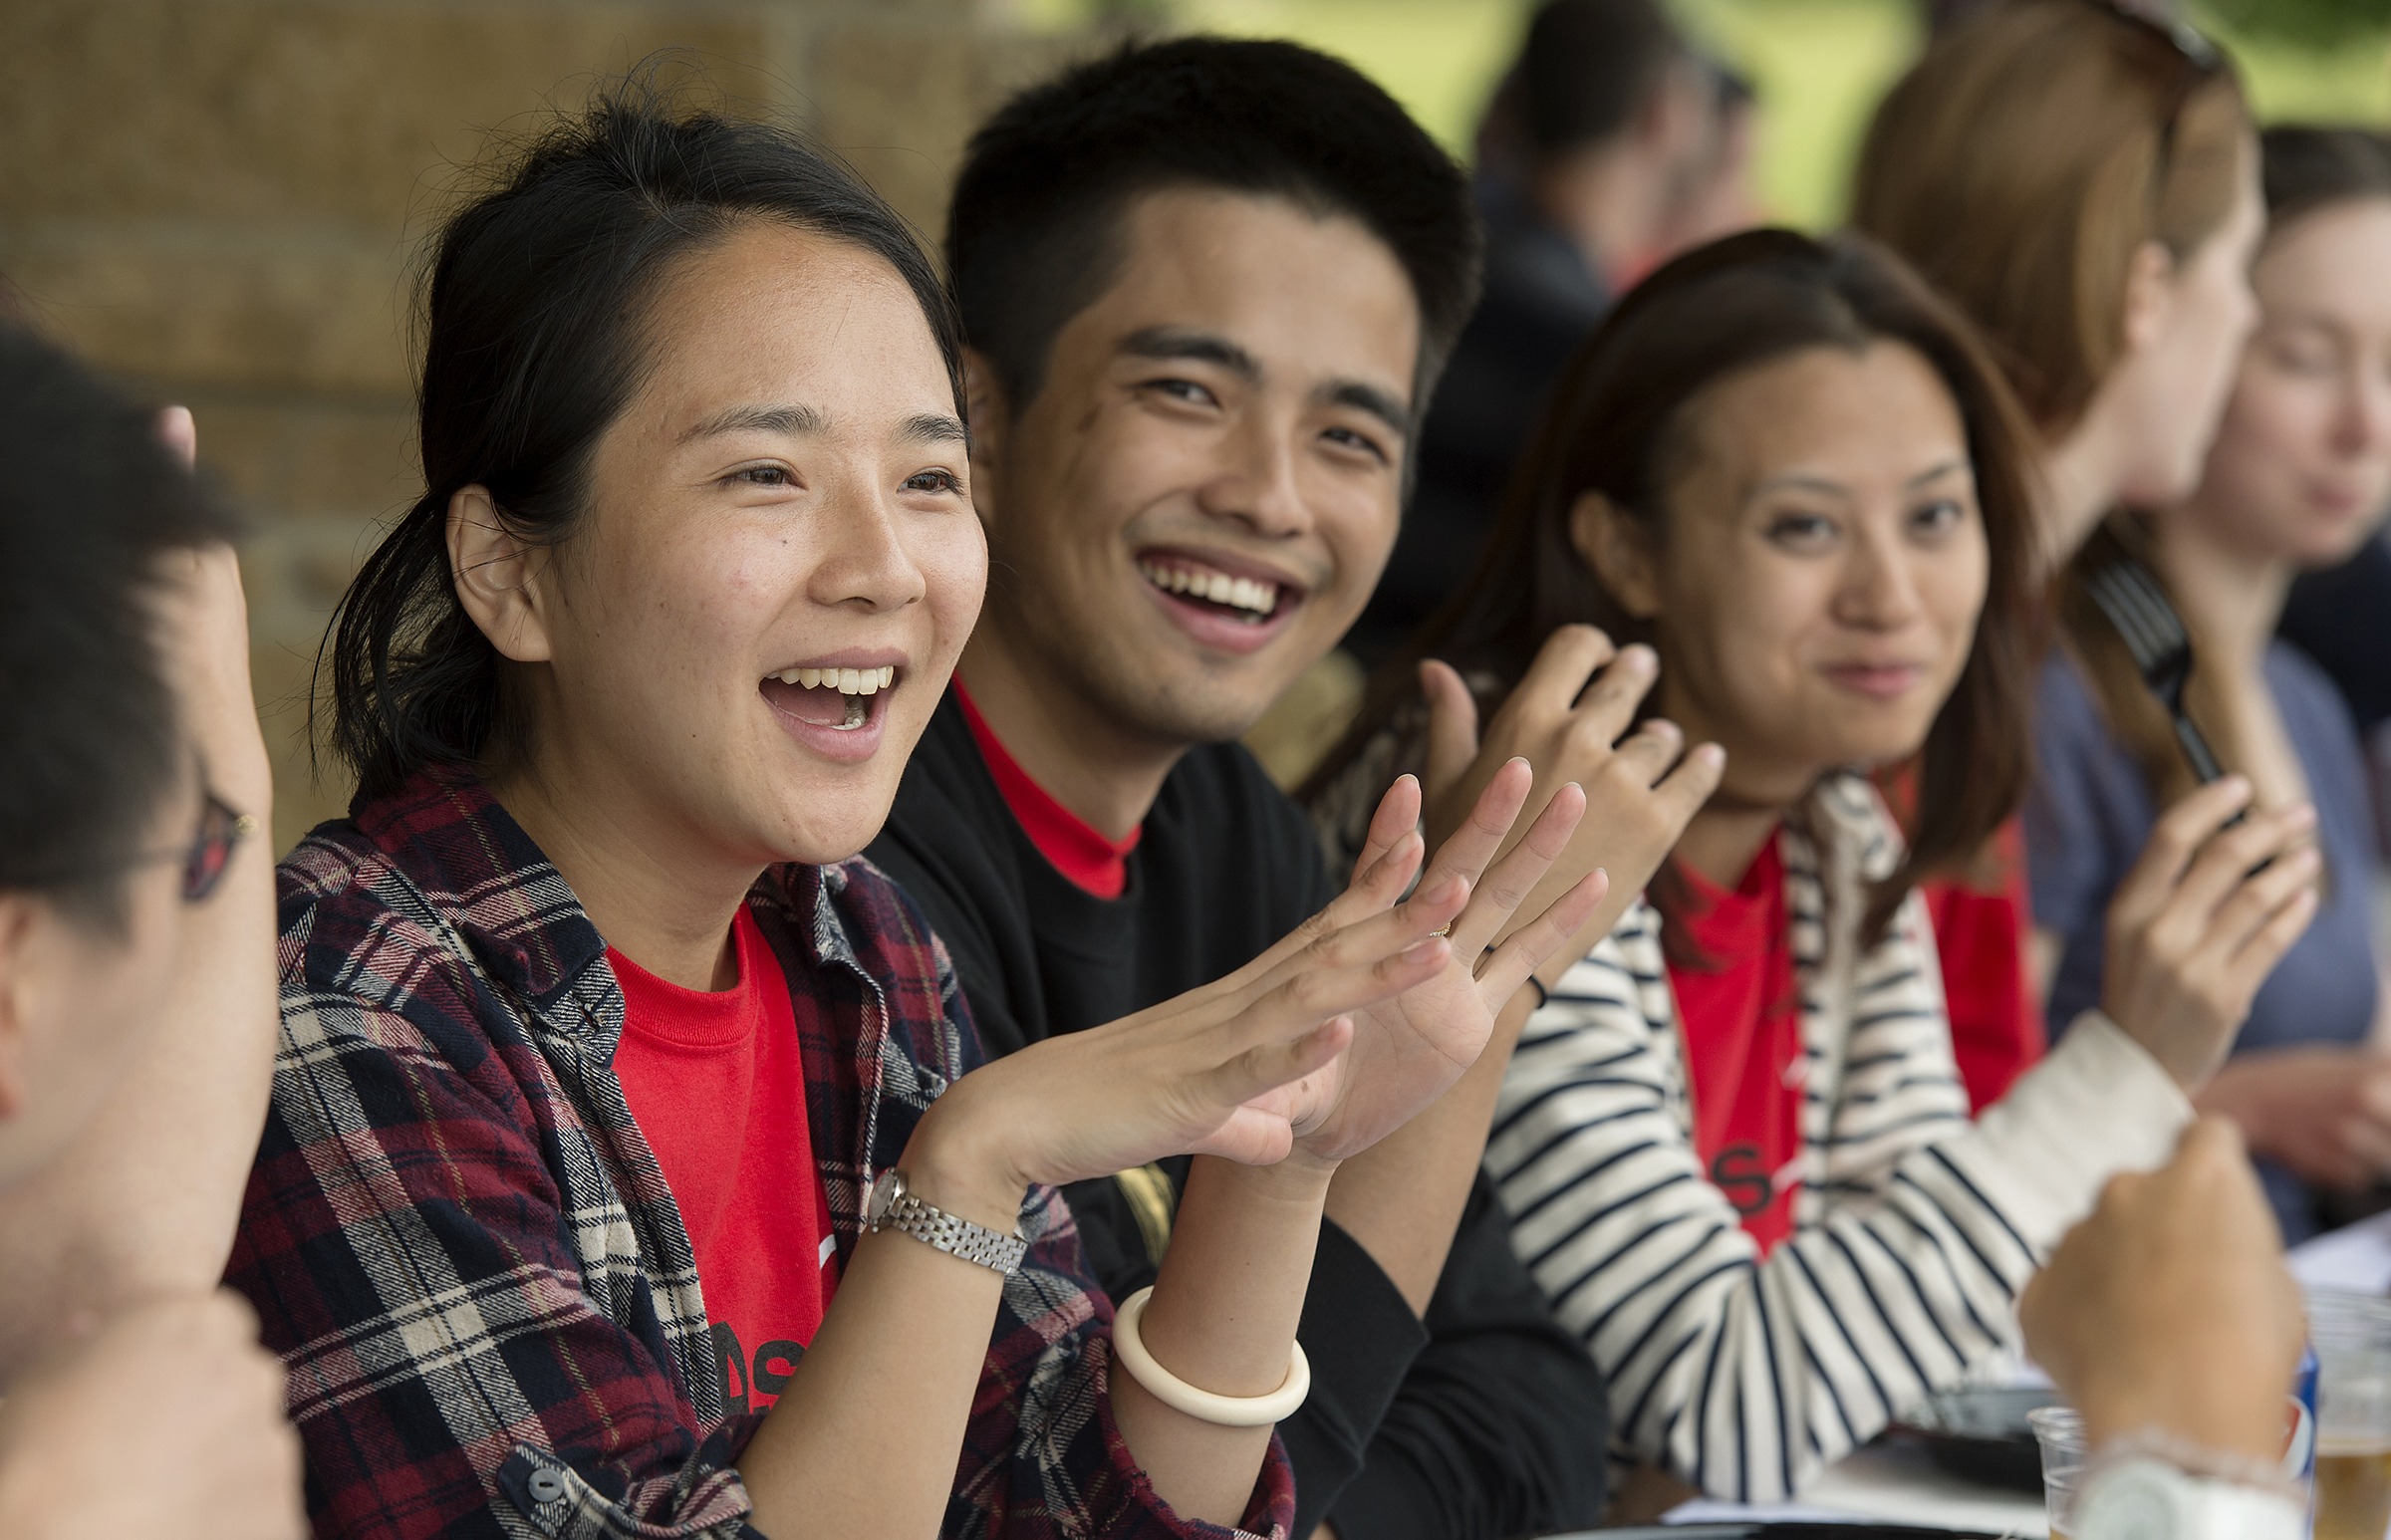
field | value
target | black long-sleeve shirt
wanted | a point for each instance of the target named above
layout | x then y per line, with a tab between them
1484	1421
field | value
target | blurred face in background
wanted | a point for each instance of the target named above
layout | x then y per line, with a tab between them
1718	195
2301	467
2186	323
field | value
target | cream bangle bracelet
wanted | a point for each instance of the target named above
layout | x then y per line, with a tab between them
1204	1406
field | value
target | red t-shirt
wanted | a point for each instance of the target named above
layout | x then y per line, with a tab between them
1996	1030
717	1080
1742	1025
1076	848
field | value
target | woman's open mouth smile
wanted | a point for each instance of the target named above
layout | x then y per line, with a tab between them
836	706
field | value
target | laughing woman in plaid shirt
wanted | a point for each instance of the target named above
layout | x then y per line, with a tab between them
607	1071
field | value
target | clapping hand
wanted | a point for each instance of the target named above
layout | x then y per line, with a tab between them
1569	718
1237	1068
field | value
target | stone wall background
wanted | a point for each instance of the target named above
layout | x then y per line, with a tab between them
219	201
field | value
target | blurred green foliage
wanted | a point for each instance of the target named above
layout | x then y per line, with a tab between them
2316	23
1819	65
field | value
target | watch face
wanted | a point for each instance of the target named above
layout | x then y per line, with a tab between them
885	1188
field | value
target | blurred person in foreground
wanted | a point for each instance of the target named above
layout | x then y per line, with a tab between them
2168	1321
2082	181
137	1010
2299	477
1604	141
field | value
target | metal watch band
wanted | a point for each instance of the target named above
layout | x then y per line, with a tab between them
895	1207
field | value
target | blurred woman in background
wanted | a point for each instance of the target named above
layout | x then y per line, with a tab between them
2081	180
2299	477
1734	1144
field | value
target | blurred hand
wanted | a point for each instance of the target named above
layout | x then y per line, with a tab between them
203	625
2323	1112
2197	924
167	1421
2170	1308
1565	720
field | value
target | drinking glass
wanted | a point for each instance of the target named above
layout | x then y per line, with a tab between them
2060	1433
2352	1337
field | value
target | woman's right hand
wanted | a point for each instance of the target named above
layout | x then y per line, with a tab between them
2201	921
1228	1068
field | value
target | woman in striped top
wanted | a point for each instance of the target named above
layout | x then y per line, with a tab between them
1734	1144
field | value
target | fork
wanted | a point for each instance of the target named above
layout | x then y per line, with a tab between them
2154	633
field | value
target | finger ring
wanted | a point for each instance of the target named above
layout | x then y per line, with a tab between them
1444	930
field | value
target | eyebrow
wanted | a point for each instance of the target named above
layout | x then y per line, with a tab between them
1163	341
1808	483
1364	396
793	422
934	428
1170	341
788	421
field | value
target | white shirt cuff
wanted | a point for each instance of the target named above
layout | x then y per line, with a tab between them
2098	1105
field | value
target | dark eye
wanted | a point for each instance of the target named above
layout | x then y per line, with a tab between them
2305	357
1938	517
762	476
937	483
1187	391
1349	438
1801	529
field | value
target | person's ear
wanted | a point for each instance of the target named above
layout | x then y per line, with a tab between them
498	577
990	415
2149	296
17	988
1617	549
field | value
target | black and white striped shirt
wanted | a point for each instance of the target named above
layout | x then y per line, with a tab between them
1914	1230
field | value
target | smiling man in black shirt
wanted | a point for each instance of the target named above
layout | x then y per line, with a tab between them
1208	285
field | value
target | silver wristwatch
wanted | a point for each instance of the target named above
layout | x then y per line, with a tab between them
893	1207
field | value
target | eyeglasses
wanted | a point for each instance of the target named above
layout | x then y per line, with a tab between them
220	832
2181	36
2196	62
2197	59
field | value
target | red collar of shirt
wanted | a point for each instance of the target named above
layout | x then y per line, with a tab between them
1074	846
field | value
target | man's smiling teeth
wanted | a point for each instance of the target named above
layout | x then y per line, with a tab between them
1219	587
847	681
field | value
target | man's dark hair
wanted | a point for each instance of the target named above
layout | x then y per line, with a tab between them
1587	66
1035	230
90	741
533	342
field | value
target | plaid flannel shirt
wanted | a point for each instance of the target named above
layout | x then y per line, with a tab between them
461	1244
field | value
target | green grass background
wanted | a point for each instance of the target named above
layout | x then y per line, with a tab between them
1819	66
